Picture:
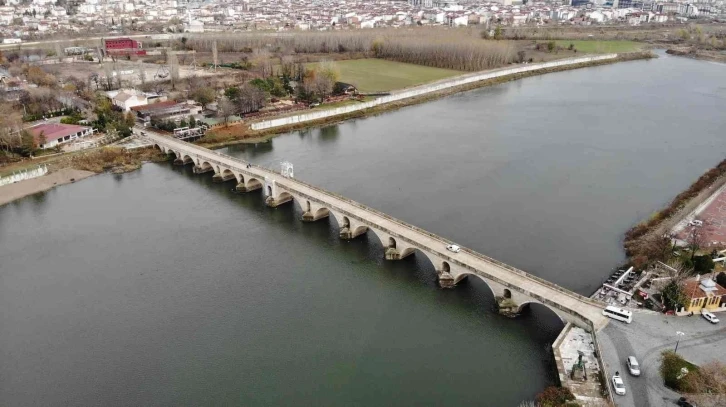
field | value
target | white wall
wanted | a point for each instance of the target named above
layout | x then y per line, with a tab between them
422	90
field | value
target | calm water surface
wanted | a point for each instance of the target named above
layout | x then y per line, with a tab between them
160	288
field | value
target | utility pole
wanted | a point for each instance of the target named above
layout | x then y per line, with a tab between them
678	334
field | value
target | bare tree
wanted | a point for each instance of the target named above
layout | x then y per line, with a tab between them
173	63
108	72
695	239
225	109
141	73
251	99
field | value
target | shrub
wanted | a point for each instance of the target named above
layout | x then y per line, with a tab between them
554	397
721	279
702	264
671	367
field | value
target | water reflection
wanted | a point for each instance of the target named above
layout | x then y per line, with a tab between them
329	133
250	149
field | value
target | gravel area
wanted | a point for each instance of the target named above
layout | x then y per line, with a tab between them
645	338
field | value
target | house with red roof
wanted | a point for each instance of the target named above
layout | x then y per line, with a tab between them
49	135
702	293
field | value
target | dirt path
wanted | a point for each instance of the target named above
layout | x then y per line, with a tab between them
9	193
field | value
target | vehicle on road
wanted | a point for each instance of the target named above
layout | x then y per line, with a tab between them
618	385
618	314
709	317
633	366
453	248
683	402
696	222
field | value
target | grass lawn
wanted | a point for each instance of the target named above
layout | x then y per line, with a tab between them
601	47
378	75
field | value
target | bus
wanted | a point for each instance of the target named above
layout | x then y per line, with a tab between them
618	314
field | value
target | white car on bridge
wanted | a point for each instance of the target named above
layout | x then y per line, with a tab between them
453	248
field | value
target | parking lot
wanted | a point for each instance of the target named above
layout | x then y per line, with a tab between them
645	338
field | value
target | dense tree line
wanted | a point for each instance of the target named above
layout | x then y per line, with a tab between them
453	49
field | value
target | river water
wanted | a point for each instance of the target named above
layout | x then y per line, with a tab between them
158	287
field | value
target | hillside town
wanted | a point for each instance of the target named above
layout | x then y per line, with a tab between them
23	20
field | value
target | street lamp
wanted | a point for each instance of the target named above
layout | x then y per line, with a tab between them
679	334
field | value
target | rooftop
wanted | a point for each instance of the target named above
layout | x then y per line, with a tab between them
55	131
694	288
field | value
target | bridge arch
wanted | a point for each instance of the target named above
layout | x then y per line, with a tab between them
391	243
537	307
206	166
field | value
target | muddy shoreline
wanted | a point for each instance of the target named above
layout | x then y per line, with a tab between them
9	193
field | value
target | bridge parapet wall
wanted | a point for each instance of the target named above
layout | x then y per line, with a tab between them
424	89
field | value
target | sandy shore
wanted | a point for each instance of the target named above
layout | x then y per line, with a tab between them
9	193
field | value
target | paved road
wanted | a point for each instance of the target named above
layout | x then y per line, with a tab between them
645	338
484	266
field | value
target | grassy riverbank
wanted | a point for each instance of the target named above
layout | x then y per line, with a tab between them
642	241
241	133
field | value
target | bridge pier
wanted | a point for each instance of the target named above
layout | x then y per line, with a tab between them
183	161
446	280
312	216
273	202
346	233
222	178
249	186
312	211
198	169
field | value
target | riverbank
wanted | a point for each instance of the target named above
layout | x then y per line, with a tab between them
66	169
697	53
639	240
242	133
9	193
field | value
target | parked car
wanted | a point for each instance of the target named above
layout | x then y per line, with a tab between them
683	402
619	385
696	222
633	366
710	317
453	248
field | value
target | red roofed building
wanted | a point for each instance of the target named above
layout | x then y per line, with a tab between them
51	134
703	293
123	46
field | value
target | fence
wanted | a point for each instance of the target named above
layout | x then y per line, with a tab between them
23	175
422	90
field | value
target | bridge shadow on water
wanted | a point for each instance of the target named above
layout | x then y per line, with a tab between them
471	296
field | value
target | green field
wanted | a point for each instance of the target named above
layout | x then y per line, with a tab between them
373	75
601	47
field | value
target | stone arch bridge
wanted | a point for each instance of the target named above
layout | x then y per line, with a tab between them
514	289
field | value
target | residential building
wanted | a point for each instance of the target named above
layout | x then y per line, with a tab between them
165	111
703	293
52	134
125	99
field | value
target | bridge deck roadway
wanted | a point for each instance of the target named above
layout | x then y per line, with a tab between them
477	263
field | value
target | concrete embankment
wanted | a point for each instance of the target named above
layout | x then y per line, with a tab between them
430	88
9	193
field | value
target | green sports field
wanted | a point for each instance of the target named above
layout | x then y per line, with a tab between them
601	47
372	75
